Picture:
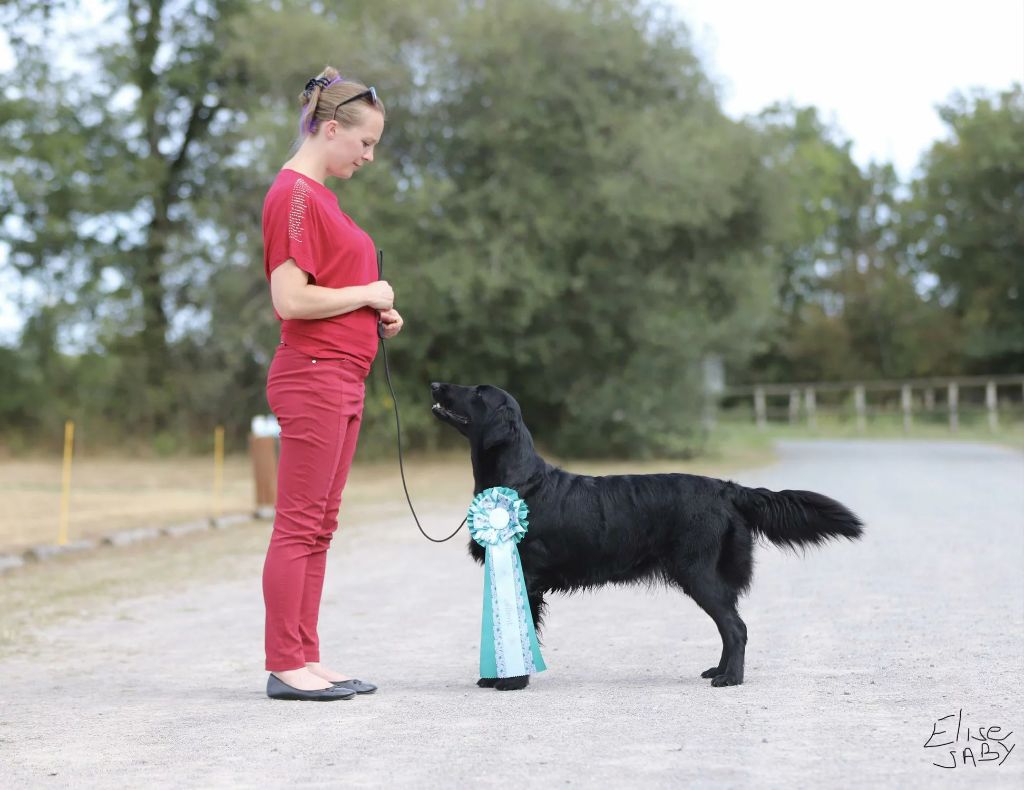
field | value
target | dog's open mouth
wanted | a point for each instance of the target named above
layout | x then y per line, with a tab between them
446	414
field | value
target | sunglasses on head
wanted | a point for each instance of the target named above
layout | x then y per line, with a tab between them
370	94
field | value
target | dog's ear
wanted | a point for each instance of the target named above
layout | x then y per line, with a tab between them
500	428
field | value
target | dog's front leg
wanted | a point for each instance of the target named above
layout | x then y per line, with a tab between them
505	684
512	684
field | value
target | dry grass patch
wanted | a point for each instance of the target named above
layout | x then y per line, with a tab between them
110	494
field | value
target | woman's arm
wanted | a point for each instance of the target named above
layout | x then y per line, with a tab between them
294	297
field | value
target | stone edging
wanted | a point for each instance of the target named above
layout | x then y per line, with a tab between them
125	537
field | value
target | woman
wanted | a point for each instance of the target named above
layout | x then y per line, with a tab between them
323	283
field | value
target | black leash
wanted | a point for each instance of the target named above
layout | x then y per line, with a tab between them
398	423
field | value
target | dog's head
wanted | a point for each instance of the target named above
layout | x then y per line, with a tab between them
486	415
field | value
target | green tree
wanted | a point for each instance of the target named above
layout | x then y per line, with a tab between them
967	226
596	223
565	209
849	303
132	197
101	174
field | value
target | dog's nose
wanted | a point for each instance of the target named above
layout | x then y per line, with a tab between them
435	387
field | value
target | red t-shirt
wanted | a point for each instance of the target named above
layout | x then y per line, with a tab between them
303	221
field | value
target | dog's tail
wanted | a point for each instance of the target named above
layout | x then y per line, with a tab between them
795	518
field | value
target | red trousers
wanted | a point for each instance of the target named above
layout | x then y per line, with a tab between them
319	405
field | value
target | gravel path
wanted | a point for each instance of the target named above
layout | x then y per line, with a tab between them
856	652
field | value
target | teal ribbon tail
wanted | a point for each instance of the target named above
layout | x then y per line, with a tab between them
508	640
488	664
538	659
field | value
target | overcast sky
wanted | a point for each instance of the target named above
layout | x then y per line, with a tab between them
875	68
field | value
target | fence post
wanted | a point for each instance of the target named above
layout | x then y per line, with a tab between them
860	404
794	406
218	469
760	408
263	440
953	397
709	415
929	400
907	401
65	486
810	403
714	388
992	403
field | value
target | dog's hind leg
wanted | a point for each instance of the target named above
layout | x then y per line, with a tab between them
718	599
719	668
537	608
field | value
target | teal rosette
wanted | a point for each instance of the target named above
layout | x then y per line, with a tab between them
497	515
508	641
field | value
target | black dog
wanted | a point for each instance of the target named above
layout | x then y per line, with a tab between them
694	532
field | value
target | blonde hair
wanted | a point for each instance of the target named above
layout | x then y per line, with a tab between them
322	96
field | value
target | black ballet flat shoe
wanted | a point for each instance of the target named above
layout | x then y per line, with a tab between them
278	689
358	686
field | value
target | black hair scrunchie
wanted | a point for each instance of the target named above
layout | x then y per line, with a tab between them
323	82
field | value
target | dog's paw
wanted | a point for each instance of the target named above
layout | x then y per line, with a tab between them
710	673
487	683
726	679
512	684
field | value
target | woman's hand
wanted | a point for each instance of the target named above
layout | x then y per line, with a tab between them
379	295
392	322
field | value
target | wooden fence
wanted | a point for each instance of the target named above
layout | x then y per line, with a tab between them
910	398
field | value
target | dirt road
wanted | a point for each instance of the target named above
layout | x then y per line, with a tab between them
857	652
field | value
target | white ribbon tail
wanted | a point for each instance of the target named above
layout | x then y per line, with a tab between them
511	641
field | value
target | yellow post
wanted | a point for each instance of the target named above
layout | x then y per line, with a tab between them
218	468
65	492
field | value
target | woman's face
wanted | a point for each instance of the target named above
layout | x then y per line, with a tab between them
352	147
